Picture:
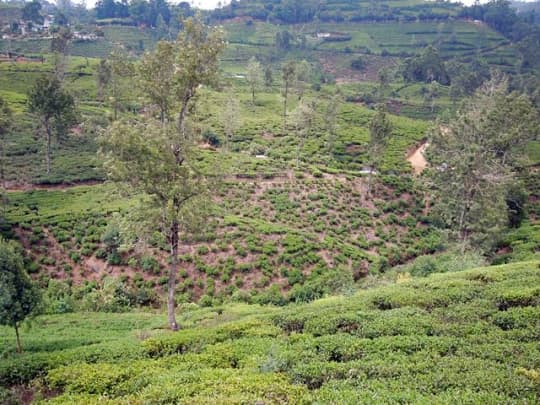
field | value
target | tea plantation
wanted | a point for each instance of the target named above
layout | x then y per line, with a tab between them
322	265
468	337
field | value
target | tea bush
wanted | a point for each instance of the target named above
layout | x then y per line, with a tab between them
460	337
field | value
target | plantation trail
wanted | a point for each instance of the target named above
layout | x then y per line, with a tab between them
417	159
12	187
274	179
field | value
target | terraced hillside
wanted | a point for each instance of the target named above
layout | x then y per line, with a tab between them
274	233
466	337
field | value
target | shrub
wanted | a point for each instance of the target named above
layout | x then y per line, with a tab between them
211	137
358	64
205	301
447	262
75	256
271	295
114	259
150	265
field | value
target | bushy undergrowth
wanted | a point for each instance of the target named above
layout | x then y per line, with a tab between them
463	337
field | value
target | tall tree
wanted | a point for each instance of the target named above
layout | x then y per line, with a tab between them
19	296
6	122
54	107
32	12
231	117
288	76
475	159
268	77
254	76
60	50
380	131
156	76
103	77
159	158
330	121
303	77
122	72
304	120
384	78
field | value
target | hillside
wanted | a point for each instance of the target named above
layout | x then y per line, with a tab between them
337	200
408	342
287	216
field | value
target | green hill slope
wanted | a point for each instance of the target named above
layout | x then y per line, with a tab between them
468	337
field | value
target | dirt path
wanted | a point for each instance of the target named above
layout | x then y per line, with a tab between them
416	158
14	187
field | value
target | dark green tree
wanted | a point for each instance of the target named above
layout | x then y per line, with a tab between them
474	161
54	107
18	295
426	67
268	76
31	12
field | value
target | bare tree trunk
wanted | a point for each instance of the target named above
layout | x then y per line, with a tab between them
370	179
183	113
49	137
463	229
173	271
115	102
19	346
285	108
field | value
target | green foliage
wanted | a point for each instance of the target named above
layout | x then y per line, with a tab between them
426	67
150	265
474	159
54	107
421	334
442	263
19	296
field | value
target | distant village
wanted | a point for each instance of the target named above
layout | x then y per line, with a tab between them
31	29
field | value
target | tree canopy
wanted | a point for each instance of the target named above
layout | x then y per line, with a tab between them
426	67
19	297
159	157
476	158
54	107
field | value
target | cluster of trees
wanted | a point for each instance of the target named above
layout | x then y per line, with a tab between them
520	28
498	14
426	67
152	13
32	12
301	11
476	161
